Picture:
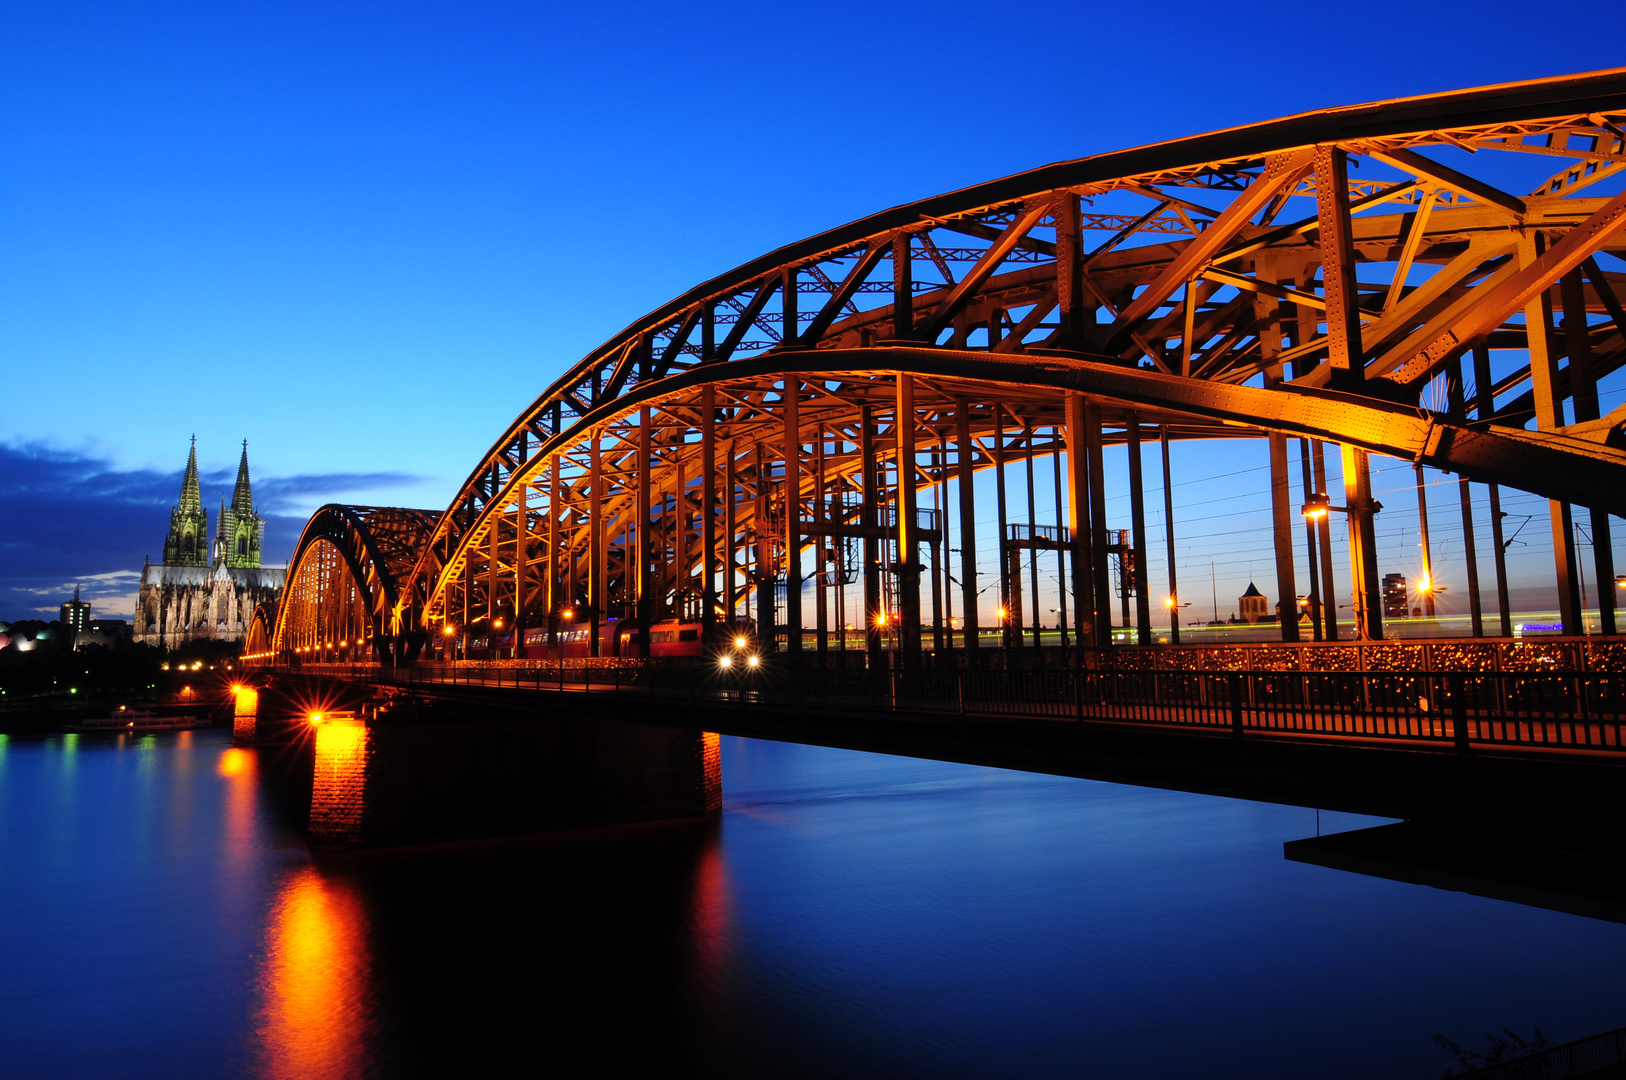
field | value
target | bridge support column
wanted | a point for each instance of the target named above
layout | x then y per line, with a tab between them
446	776
1485	407
1428	555
1061	531
1081	547
493	560
821	563
1033	535
1538	321
793	517
942	602
1168	535
1310	525
638	546
1363	548
1459	413
522	535
767	630
1009	606
556	508
708	513
1137	522
1584	391
1098	524
965	458
872	556
1329	590
245	713
731	593
1281	522
595	538
908	568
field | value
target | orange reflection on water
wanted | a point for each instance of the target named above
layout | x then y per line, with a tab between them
240	769
316	983
236	762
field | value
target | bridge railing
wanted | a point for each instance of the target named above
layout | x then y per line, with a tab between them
1547	710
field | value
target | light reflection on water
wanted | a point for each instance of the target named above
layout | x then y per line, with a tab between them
850	914
316	981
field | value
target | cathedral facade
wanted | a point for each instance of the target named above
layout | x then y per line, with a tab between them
203	590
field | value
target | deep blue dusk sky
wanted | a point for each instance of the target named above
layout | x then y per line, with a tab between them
363	237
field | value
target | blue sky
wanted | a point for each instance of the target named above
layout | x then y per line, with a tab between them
363	237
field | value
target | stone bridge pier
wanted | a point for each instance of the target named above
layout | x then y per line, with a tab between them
359	770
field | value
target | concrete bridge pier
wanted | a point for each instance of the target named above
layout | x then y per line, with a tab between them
403	770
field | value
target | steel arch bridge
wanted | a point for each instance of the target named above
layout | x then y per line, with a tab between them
1339	276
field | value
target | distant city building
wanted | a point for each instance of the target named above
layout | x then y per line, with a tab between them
1394	596
111	633
75	614
204	591
1253	605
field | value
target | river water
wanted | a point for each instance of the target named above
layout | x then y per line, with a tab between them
850	915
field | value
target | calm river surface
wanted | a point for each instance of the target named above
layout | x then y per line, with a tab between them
850	915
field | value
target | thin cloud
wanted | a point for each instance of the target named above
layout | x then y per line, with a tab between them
74	518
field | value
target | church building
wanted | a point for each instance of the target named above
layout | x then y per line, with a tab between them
204	590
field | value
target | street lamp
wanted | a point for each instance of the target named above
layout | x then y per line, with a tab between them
1316	506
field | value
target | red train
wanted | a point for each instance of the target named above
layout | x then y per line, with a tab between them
670	637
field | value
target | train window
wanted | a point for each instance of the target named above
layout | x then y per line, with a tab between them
691	634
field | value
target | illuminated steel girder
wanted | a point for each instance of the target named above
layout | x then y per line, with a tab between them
1186	282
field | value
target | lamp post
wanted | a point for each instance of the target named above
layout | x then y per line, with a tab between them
1316	507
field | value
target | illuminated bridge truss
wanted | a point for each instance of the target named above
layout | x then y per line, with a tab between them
1367	277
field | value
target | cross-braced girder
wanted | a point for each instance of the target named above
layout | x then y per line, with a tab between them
1323	275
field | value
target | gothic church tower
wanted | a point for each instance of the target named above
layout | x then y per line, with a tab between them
190	596
238	530
188	542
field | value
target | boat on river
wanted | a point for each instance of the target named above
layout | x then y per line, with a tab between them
125	718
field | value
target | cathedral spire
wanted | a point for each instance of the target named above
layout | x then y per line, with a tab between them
188	541
240	529
191	496
242	499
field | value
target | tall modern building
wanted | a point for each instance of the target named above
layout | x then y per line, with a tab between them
202	590
1394	596
75	614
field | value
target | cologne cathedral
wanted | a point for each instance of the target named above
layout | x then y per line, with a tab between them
204	590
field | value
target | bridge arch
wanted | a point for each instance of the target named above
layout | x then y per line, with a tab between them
1240	283
261	629
345	583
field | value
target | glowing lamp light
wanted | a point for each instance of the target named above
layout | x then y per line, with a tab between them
725	661
1620	581
739	642
450	631
880	620
1003	614
315	719
754	661
1171	603
497	624
569	613
1316	506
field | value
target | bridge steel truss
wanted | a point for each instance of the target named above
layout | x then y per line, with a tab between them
344	582
1344	276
